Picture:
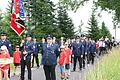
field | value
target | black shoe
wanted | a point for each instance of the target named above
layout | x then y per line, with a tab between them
83	67
80	69
37	67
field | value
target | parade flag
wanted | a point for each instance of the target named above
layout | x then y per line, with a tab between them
21	9
16	23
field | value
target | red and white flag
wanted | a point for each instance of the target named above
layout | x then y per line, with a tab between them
16	23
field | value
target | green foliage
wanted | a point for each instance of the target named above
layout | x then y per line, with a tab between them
93	30
108	68
72	4
113	5
43	17
105	32
65	23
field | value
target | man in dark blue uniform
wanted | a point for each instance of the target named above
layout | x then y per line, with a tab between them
84	44
92	50
49	58
27	50
7	43
88	42
35	52
77	50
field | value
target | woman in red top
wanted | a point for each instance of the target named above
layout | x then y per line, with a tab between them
16	56
4	67
68	59
62	61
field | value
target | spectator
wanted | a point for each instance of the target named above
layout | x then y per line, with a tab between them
68	59
16	57
4	67
61	62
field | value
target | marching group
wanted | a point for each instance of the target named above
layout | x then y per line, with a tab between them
80	49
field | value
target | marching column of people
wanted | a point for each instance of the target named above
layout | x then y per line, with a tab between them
81	49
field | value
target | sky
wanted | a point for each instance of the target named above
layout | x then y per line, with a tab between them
83	13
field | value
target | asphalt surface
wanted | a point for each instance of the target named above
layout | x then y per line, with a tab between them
38	74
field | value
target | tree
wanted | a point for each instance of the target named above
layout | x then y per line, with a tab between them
72	4
113	5
105	32
43	17
1	17
107	5
93	30
65	23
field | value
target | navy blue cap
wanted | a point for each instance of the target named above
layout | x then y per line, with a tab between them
49	36
77	37
3	34
82	35
28	35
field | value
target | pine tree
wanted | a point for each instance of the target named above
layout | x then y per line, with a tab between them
65	23
104	31
43	16
93	30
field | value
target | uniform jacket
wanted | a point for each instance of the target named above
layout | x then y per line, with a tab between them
7	43
28	47
35	47
50	53
88	46
77	49
84	44
92	48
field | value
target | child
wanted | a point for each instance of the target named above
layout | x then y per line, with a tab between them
68	59
62	61
4	67
16	56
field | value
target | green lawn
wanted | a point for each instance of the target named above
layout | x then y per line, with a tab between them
107	69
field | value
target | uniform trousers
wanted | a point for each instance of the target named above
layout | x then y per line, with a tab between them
75	61
35	56
23	64
49	71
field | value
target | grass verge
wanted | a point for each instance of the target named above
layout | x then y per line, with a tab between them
107	69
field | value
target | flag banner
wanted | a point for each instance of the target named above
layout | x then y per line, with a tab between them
17	27
21	9
16	23
17	7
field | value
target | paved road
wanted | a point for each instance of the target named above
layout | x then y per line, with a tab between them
38	74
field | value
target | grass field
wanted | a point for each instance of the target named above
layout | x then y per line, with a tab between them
108	68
